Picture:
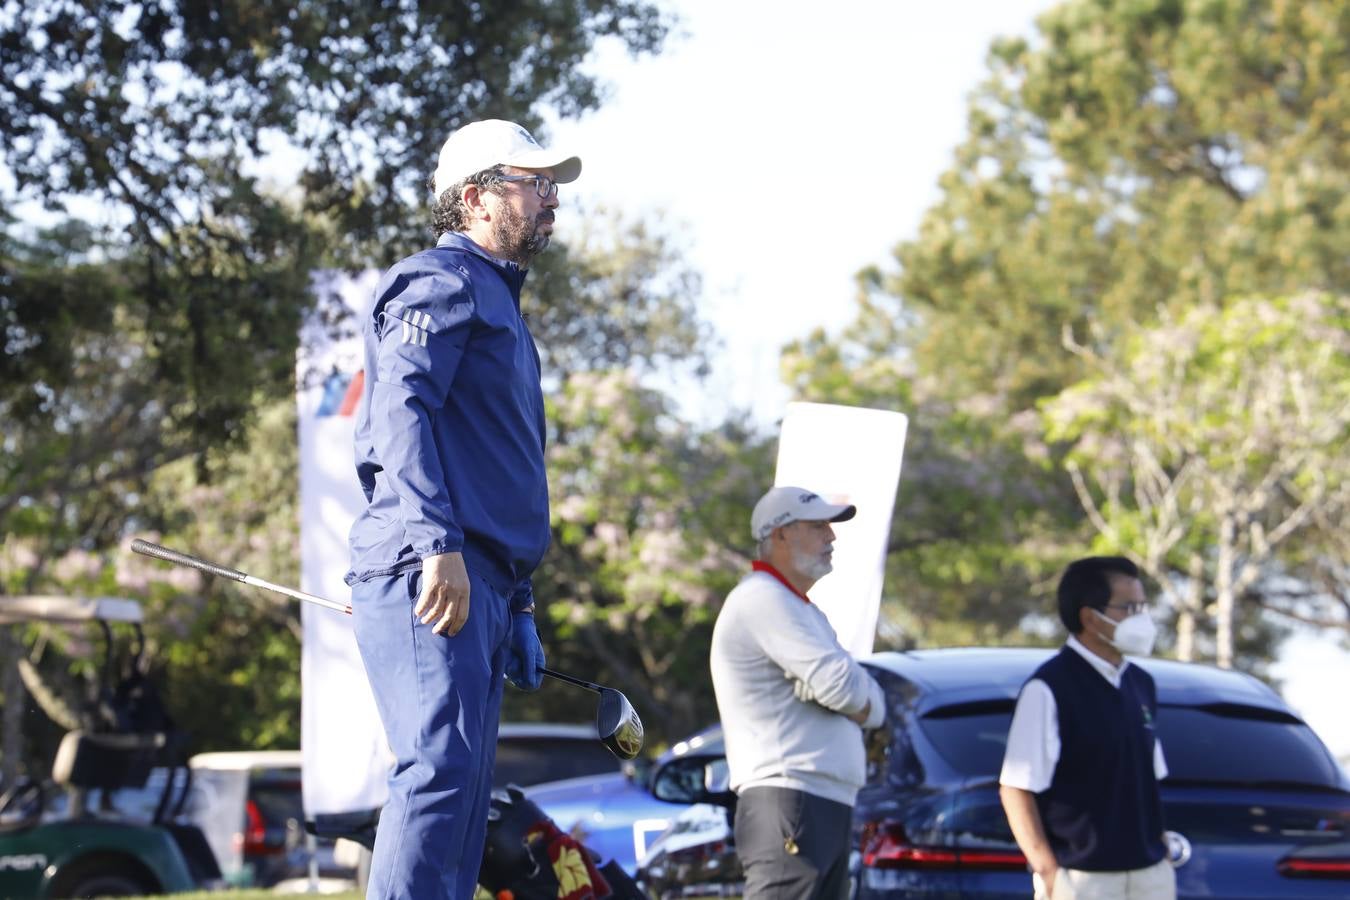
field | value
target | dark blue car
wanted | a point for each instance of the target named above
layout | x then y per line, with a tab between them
1255	805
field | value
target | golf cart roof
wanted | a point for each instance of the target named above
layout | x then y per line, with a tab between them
244	760
16	610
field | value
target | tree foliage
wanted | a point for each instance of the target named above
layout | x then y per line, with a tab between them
620	295
164	108
616	301
1135	159
154	260
649	535
1208	444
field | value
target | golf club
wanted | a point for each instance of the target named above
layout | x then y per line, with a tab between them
616	722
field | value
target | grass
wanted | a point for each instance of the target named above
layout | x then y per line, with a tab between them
254	894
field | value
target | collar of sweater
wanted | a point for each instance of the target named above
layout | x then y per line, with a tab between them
761	566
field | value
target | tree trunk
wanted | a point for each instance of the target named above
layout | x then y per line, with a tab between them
1191	604
1186	633
1223	594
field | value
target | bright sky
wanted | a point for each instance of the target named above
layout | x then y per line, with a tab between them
789	149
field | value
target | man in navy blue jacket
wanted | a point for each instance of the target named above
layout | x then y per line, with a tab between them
1080	774
450	454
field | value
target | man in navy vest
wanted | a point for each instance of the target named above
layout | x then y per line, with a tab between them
1080	775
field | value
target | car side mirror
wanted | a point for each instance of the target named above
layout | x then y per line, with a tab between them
693	779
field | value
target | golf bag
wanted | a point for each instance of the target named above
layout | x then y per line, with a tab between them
527	857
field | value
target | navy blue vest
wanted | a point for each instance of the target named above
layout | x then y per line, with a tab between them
1102	812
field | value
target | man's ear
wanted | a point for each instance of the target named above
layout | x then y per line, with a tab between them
1084	617
474	199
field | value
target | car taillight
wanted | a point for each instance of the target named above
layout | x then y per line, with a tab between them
1315	867
886	846
255	833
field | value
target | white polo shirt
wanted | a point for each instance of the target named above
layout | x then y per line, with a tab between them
1033	737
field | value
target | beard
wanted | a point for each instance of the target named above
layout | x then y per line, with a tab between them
815	566
520	239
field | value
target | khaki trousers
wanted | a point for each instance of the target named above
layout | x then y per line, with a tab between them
1157	882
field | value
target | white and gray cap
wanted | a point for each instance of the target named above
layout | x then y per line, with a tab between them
496	142
785	504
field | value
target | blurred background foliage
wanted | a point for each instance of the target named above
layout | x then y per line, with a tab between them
1122	327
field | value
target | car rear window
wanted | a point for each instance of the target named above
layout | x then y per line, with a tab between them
278	801
970	736
1235	744
1217	744
527	761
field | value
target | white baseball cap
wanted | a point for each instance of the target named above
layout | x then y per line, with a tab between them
782	505
496	142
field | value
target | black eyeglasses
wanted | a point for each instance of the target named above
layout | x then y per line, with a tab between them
544	186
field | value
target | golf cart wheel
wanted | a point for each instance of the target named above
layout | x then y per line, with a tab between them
104	877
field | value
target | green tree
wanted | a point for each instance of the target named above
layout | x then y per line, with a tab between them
1208	444
619	297
1135	157
163	109
154	333
649	536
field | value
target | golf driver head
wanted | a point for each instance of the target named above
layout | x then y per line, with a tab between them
618	725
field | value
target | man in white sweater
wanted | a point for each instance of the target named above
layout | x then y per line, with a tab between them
793	704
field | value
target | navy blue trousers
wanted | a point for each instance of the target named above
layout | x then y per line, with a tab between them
439	699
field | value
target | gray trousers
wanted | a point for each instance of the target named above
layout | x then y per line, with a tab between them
772	822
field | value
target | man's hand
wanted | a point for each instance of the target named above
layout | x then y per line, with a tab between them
1024	818
1049	876
527	654
445	593
802	691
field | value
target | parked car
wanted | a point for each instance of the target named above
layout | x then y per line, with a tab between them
615	814
534	752
1256	806
249	805
580	785
528	754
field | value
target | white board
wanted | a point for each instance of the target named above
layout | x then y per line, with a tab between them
848	454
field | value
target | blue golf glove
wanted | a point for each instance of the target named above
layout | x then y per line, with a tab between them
527	654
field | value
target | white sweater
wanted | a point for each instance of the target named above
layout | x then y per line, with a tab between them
765	637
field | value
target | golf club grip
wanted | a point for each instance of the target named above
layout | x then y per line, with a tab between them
570	680
146	548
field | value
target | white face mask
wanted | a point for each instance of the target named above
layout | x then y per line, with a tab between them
1134	634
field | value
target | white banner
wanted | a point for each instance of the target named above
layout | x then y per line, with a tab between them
848	455
345	755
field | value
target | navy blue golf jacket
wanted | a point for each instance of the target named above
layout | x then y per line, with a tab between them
450	431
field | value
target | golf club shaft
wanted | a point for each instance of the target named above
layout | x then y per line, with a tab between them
145	548
570	680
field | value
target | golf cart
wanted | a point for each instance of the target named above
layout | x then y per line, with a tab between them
72	846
